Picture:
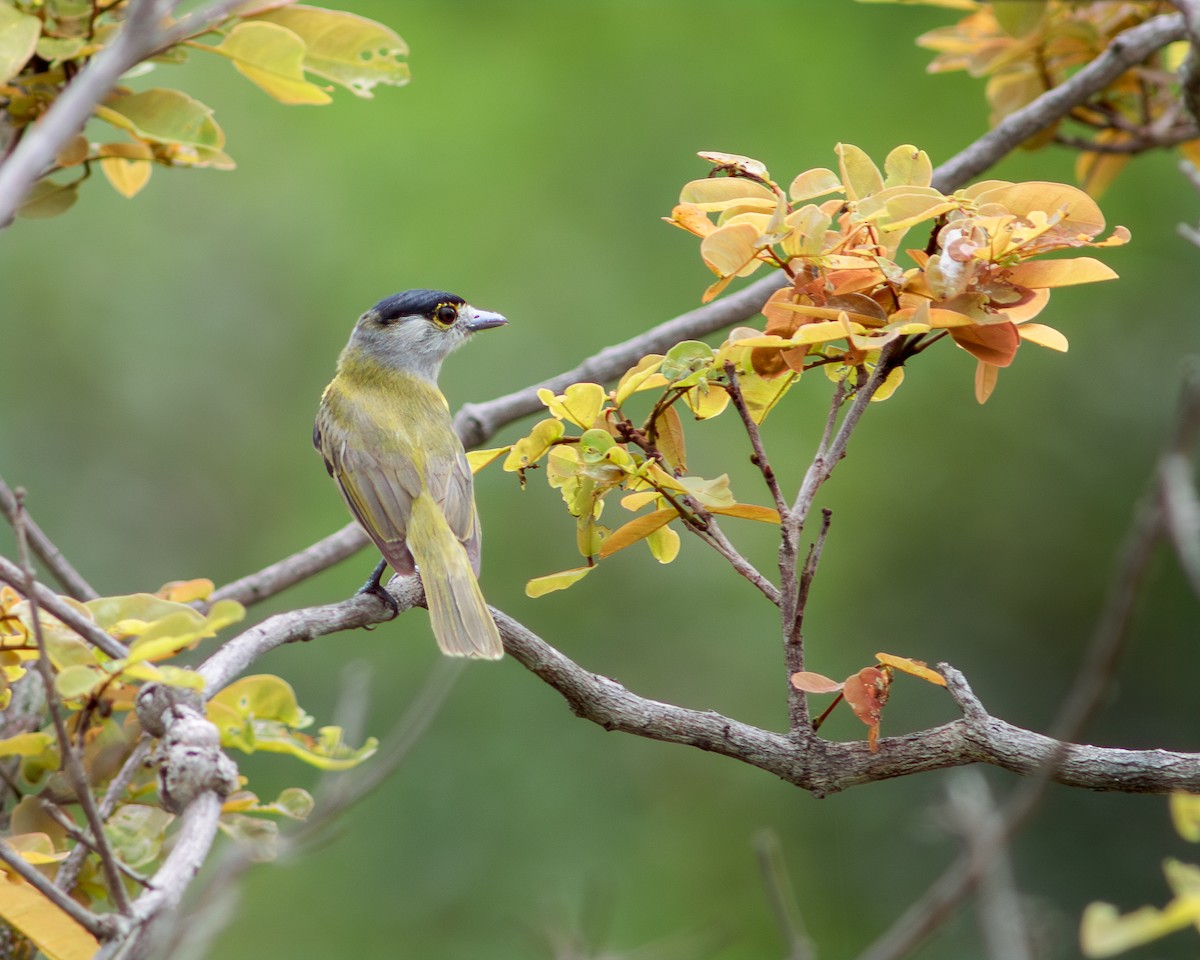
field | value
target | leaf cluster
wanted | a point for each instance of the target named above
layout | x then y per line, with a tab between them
95	694
974	276
292	52
593	446
1024	49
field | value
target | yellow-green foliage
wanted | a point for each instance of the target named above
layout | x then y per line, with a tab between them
44	43
847	295
96	696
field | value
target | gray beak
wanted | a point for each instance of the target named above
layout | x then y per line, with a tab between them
481	320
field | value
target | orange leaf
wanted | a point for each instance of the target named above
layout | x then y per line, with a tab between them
916	668
814	683
635	530
748	511
993	343
867	692
985	380
1060	273
1043	336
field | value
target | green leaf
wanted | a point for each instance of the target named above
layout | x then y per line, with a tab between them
686	358
77	681
272	58
259	837
48	199
18	39
164	116
635	530
540	586
350	50
136	833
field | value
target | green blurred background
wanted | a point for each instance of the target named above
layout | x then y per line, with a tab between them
162	363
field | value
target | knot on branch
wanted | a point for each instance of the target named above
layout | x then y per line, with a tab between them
157	701
190	758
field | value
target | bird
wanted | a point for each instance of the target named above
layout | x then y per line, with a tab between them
385	433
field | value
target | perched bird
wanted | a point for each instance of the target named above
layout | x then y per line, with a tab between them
385	433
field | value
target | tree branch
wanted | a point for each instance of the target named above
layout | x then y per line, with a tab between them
53	604
45	550
139	38
1126	50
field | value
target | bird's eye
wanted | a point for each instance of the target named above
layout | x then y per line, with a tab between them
446	314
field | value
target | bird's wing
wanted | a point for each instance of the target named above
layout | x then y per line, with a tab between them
448	479
379	493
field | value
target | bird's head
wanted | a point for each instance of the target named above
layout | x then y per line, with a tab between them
416	330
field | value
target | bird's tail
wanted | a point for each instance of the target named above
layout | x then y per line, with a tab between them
461	621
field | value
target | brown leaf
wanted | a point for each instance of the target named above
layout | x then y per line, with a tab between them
867	692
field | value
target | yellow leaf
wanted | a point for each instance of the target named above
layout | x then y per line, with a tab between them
478	459
908	166
540	586
1104	932
730	250
26	744
1185	814
814	183
664	544
706	400
711	493
916	668
1060	273
271	57
126	176
860	176
581	403
691	218
889	386
635	501
529	450
641	376
45	924
1043	336
717	193
185	591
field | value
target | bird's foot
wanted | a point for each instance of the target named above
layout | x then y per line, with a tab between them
376	589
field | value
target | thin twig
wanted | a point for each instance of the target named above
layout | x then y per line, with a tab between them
71	763
44	549
973	815
782	896
734	389
53	604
